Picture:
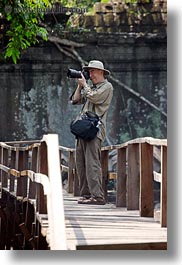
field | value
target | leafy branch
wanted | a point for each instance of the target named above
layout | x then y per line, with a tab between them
23	30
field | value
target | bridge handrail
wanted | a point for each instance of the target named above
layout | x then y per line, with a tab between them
134	173
18	147
47	167
35	177
149	140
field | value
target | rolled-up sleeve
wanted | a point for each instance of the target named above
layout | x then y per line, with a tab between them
77	102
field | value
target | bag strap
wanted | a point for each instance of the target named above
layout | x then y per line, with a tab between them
93	109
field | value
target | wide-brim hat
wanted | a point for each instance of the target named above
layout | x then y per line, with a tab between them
96	65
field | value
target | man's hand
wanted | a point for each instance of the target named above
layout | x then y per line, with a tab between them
82	81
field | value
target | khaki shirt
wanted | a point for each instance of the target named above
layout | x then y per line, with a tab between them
97	99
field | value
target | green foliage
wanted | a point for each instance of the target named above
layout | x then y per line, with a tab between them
79	3
24	31
23	17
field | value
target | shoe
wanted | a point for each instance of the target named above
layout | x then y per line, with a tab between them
86	197
93	201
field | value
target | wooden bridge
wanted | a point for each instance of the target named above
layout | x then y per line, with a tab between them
36	212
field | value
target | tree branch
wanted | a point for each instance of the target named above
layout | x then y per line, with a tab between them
62	50
59	40
79	58
65	42
71	52
138	95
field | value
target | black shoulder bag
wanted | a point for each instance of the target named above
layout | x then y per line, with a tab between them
86	126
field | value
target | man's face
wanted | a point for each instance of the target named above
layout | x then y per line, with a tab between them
96	75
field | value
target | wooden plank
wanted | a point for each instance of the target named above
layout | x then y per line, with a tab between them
63	148
104	165
121	178
112	175
64	168
22	181
135	246
23	142
7	147
146	180
71	166
55	198
34	168
97	226
41	198
1	154
164	186
107	227
110	227
157	153
5	163
14	172
76	188
12	165
133	177
4	168
149	140
157	176
15	146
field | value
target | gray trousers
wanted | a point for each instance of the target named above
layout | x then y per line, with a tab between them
88	166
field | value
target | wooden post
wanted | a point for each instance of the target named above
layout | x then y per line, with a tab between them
146	180
1	162
76	188
104	165
34	167
22	181
133	177
60	156
60	162
121	178
12	165
57	235
4	162
41	198
71	162
164	186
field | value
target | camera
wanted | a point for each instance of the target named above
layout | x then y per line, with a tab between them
77	74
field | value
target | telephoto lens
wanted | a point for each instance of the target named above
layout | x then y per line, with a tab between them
77	74
73	73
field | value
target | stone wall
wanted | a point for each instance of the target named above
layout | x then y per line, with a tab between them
34	94
122	16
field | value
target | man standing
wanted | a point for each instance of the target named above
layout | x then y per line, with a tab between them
96	98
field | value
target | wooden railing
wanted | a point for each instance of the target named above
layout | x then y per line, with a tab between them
30	190
134	175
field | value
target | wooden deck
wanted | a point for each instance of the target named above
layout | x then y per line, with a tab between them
31	190
107	227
